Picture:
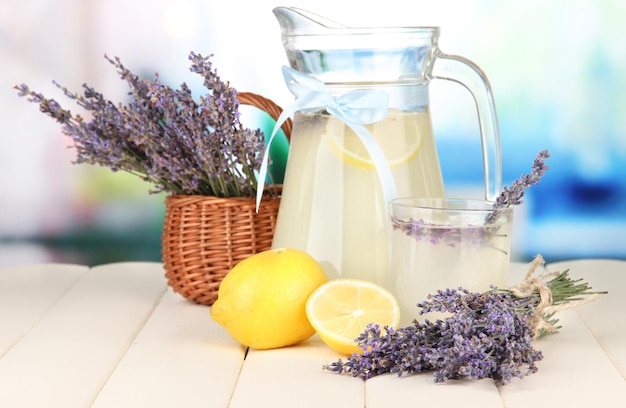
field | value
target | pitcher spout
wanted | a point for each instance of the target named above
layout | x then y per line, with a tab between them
295	21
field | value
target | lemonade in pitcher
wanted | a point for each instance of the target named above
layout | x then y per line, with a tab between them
332	190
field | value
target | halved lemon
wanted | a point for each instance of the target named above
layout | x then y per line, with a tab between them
398	143
340	310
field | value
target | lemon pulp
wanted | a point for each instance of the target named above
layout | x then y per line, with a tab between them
340	310
347	145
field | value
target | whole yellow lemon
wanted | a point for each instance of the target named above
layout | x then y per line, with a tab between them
262	300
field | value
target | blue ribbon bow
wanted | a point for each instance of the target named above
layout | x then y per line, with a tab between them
355	109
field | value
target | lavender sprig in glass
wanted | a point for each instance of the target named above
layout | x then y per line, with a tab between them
479	234
513	194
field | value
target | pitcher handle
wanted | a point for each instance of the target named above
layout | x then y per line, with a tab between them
462	71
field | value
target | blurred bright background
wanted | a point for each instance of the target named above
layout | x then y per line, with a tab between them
556	68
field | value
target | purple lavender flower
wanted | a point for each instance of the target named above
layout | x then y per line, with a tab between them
439	234
513	194
165	136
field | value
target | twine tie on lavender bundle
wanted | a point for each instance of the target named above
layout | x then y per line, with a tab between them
356	109
545	308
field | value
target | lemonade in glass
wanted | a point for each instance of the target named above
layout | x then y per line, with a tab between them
446	243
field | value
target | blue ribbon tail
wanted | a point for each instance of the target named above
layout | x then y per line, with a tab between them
266	156
383	169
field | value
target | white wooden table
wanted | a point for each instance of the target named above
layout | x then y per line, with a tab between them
117	336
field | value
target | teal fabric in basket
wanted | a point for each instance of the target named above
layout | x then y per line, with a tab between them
254	118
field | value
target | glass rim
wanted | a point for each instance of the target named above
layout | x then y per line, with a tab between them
469	205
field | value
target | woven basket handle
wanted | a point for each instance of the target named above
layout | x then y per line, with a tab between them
267	105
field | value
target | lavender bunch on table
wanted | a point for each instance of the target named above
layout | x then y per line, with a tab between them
487	335
177	143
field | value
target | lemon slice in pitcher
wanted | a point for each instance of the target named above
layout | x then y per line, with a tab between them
340	310
390	135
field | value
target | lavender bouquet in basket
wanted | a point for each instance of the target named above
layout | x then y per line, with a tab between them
194	150
163	135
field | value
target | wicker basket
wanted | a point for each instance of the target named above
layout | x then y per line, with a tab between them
205	237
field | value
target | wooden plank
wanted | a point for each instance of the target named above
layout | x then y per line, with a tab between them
575	371
292	377
64	360
26	294
181	358
604	317
390	390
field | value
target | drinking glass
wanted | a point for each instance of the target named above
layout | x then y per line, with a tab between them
446	243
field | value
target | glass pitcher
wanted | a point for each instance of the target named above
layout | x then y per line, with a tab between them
338	185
